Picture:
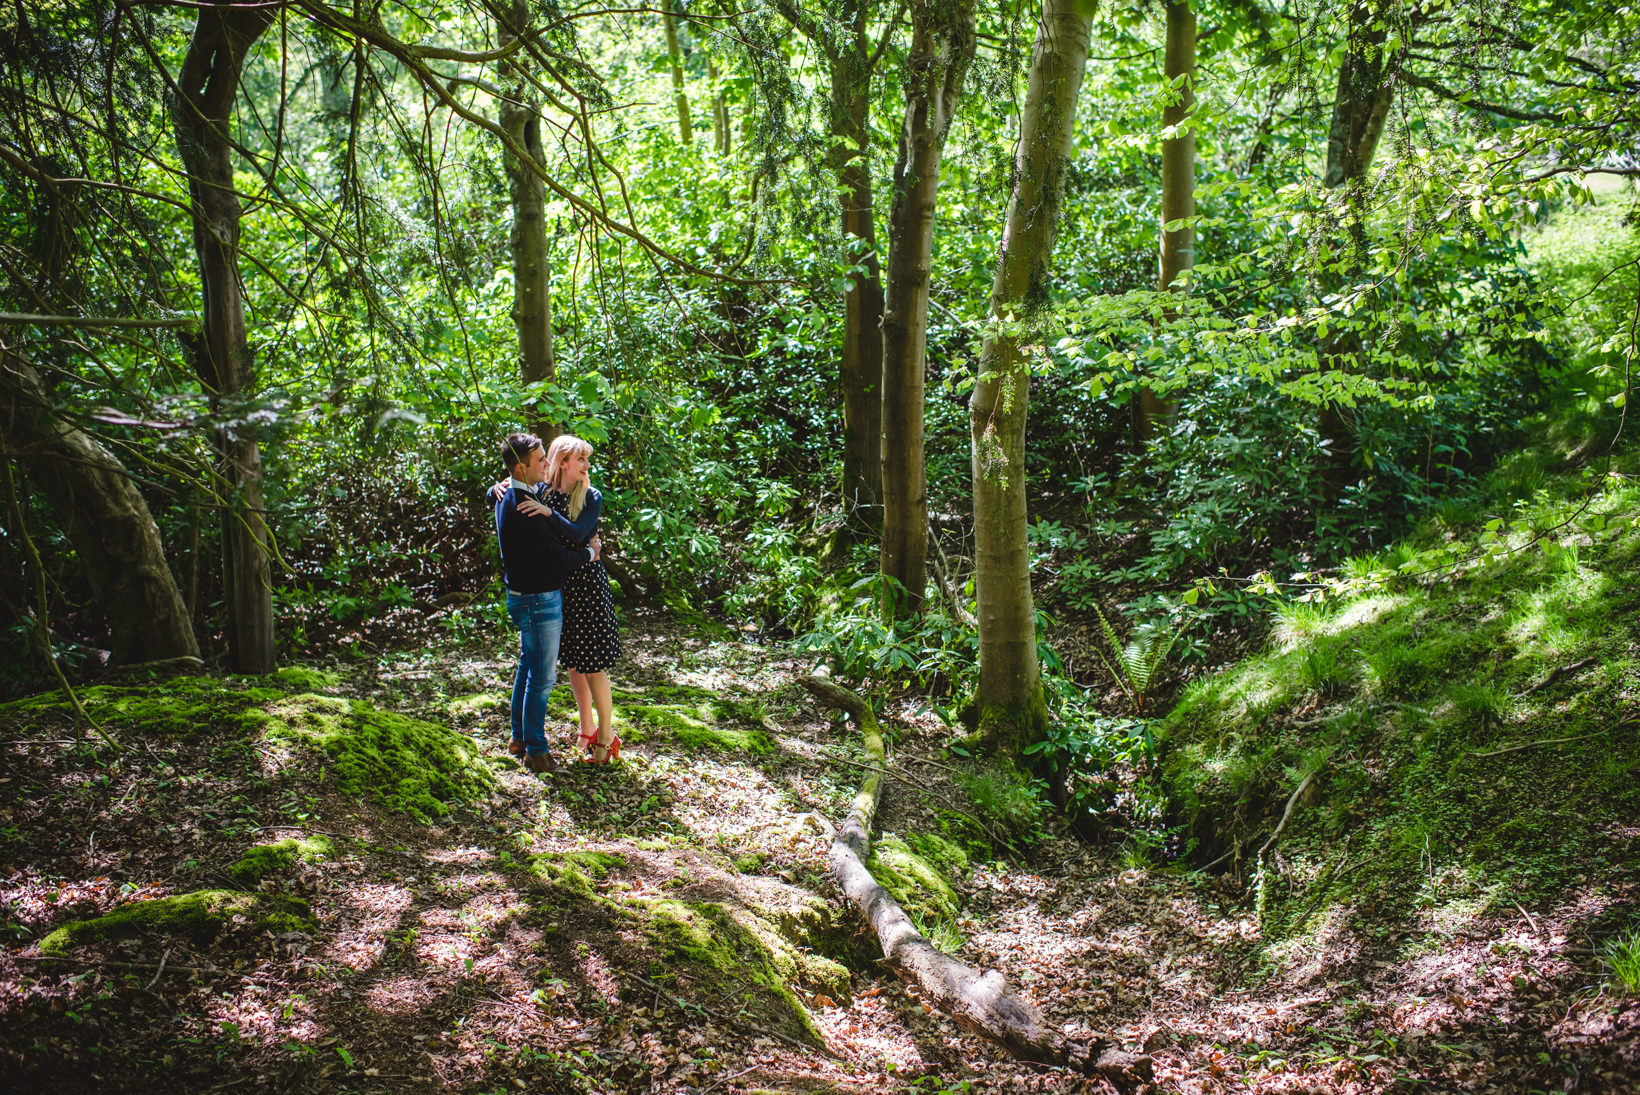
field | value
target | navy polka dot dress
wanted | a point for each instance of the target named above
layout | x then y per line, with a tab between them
590	642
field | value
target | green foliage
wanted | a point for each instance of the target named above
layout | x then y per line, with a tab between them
1135	665
1012	803
935	652
1103	766
1622	954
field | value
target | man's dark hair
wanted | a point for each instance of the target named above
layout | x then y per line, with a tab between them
516	449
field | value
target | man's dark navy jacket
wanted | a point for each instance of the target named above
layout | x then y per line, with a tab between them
534	558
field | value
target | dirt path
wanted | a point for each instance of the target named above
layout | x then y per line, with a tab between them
667	925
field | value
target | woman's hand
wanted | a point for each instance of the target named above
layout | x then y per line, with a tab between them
529	507
497	489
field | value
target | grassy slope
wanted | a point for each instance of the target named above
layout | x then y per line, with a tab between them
1409	698
1461	711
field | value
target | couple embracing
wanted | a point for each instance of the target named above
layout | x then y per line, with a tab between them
546	518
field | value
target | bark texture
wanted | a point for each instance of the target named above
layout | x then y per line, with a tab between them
1366	89
1009	696
979	1000
674	51
720	109
105	519
207	85
1177	251
520	119
862	367
942	47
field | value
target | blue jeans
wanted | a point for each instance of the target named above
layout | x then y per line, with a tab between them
540	621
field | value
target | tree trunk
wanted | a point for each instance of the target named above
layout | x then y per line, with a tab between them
720	109
862	366
686	132
207	87
980	1001
532	278
1178	245
942	46
104	516
1009	697
1360	107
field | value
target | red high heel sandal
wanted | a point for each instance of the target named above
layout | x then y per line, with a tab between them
612	751
587	739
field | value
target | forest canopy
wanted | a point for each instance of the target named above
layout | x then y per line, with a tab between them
276	276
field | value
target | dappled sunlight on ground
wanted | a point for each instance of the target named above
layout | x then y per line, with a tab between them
516	944
370	913
401	995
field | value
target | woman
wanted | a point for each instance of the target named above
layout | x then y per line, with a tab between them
590	643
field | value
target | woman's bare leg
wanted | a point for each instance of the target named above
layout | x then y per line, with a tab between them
583	698
599	684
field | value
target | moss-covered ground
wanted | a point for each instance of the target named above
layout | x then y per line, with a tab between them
336	879
329	875
1465	708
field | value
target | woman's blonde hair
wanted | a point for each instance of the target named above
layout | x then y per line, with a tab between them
562	446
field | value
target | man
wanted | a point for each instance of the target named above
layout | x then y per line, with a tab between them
534	562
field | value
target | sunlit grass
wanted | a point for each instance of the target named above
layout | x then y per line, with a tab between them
1623	956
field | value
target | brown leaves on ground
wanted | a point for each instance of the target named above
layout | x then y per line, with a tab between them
443	962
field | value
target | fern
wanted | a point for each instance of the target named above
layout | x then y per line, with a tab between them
1136	663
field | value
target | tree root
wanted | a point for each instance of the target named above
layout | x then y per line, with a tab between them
1557	673
979	1001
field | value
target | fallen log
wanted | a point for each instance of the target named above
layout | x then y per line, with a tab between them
979	1001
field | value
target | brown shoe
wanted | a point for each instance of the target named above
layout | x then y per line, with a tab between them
516	747
541	763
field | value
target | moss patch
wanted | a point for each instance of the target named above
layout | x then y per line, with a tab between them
267	859
725	951
198	916
916	882
406	764
181	708
575	870
699	727
306	679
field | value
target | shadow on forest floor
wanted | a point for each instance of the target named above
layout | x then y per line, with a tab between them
667	923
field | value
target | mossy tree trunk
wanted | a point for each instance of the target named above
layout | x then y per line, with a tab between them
1366	88
1177	251
979	1000
841	39
1008	699
942	47
674	52
862	365
104	516
520	119
202	110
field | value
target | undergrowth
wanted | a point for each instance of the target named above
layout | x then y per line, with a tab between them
1459	710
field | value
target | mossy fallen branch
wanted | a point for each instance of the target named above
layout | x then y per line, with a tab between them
980	1001
198	916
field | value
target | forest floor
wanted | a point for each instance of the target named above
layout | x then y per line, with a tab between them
668	923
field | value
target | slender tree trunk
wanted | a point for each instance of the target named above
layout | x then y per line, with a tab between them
942	46
207	87
104	516
1178	245
1008	701
720	109
1360	107
862	366
532	276
686	132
